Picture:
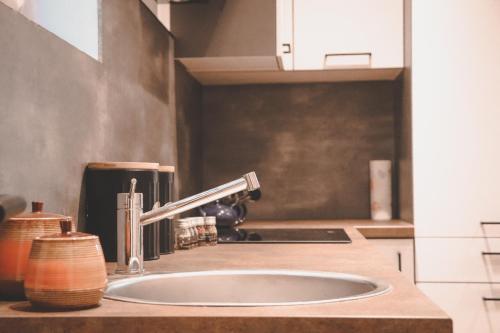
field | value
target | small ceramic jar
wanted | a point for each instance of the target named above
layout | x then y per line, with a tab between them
16	236
66	270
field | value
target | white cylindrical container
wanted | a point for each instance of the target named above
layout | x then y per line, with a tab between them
381	190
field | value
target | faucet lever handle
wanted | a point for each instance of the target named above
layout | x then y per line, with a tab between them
133	183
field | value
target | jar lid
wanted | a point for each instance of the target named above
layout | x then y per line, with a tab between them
37	213
183	223
210	220
199	220
66	233
166	168
123	165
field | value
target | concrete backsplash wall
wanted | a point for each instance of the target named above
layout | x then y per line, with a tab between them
60	108
188	106
309	144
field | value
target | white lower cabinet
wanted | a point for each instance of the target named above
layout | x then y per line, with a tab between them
464	303
399	252
457	260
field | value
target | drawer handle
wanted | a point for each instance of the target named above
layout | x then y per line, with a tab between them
484	253
399	262
490	223
491	299
347	60
288	48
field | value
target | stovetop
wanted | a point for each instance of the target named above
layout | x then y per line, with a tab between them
243	235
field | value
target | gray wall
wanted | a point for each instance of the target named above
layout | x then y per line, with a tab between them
309	143
188	105
225	28
60	108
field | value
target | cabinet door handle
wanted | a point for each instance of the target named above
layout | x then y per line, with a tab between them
347	60
288	48
491	299
490	223
485	253
399	262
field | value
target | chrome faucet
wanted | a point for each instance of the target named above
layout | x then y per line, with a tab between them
131	219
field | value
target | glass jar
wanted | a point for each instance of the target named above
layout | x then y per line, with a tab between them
200	228
210	230
182	235
194	232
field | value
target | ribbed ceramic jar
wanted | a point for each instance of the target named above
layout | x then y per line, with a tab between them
16	236
66	270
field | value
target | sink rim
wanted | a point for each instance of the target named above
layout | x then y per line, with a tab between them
380	286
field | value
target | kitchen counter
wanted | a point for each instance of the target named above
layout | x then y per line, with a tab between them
404	309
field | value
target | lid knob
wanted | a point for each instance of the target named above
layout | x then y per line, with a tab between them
36	206
65	225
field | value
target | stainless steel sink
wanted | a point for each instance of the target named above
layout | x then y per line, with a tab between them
244	288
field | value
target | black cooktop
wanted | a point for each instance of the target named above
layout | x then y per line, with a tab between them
241	235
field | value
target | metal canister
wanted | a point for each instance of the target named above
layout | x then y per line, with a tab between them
104	181
167	232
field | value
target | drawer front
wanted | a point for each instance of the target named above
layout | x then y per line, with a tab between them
457	259
400	254
490	226
464	303
469	224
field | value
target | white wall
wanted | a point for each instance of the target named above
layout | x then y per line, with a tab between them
75	21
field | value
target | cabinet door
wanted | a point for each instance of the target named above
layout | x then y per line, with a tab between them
332	34
399	252
490	139
465	305
457	259
455	116
284	33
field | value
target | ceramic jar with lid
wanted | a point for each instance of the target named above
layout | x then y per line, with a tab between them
16	236
65	270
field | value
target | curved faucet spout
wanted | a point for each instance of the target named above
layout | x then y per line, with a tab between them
131	219
247	182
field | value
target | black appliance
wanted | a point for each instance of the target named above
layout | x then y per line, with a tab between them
281	235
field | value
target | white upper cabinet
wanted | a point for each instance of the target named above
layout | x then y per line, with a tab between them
332	34
284	33
289	41
456	115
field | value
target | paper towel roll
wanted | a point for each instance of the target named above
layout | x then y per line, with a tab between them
380	190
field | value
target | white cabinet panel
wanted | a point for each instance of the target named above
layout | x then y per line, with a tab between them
284	33
490	149
464	304
399	252
337	27
457	260
455	85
